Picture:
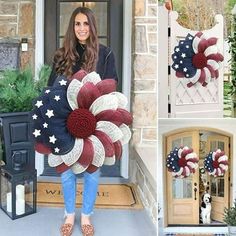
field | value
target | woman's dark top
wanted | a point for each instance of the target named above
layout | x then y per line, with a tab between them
105	66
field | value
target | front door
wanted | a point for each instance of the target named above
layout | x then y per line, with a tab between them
183	194
219	186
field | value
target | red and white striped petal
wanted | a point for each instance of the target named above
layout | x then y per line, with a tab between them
72	91
196	77
187	171
195	44
191	164
211	50
223	167
92	77
223	158
178	173
110	129
99	151
208	74
122	99
114	116
214	64
87	154
71	157
54	160
103	103
212	71
212	41
78	168
203	44
216	57
87	95
109	161
126	134
107	86
118	149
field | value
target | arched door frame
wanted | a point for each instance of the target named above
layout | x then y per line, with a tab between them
194	128
126	68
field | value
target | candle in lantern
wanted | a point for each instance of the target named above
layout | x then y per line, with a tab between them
20	191
9	197
20	206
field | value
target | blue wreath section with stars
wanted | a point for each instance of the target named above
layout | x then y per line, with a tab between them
182	57
49	115
172	160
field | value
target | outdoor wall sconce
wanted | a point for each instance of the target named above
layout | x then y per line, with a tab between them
18	192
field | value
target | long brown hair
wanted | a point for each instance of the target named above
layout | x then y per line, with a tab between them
66	56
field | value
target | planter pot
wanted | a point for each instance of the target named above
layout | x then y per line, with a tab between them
232	230
16	136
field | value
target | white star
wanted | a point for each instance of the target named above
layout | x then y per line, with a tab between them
56	150
52	139
181	62
34	117
181	42
49	113
183	55
47	91
62	82
176	66
175	57
187	46
177	49
39	103
57	98
37	132
190	37
185	69
45	125
187	75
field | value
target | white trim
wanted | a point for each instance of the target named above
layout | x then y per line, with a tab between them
126	75
39	60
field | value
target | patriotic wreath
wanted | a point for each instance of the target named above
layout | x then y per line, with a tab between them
81	123
216	163
197	58
182	162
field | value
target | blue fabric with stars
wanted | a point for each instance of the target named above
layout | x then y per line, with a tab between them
49	115
208	162
172	161
182	57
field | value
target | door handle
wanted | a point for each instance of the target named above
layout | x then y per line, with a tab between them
195	193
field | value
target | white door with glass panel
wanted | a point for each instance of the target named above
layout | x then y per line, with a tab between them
183	194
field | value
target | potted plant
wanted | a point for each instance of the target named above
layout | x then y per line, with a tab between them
230	218
18	89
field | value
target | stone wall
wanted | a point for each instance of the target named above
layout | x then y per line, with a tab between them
144	84
17	21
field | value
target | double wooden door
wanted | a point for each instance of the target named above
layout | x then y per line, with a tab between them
183	195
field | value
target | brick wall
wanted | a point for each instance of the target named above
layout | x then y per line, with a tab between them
144	84
17	21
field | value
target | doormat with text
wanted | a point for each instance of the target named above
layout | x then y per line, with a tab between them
122	196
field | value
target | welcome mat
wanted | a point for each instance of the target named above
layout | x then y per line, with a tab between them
122	196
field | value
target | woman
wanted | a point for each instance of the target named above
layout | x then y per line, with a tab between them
81	50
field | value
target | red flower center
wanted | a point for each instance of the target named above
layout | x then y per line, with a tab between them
81	123
199	61
182	162
215	164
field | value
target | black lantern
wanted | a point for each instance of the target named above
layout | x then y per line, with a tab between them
18	192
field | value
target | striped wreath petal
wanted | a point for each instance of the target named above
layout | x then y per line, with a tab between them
122	99
61	168
99	151
103	103
106	142
42	148
118	149
72	91
92	77
78	168
109	161
54	160
110	129
87	154
87	95
79	75
126	134
126	116
74	155
114	116
107	86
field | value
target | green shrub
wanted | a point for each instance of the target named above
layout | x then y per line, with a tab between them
19	88
230	215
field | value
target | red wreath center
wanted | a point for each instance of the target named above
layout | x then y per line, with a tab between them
215	164
199	61
182	162
81	123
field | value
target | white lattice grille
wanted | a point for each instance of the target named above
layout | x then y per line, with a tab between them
196	94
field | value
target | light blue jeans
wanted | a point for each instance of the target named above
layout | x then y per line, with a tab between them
69	188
